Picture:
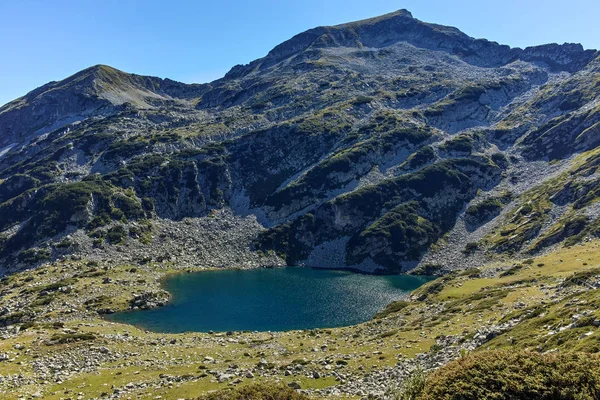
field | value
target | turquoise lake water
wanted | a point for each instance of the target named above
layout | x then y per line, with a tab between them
270	300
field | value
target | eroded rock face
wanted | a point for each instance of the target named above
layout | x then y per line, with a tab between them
369	139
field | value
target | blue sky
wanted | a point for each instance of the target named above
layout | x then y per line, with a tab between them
198	41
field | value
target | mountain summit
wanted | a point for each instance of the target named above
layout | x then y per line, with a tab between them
380	145
95	91
400	26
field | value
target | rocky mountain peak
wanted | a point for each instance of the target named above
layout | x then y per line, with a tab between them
97	90
371	137
401	27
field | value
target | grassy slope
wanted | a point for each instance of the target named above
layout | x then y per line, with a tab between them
457	304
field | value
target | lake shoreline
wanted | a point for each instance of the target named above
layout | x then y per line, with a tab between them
391	288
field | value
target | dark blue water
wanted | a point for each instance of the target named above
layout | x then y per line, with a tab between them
270	300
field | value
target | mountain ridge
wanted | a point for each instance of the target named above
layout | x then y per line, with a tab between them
402	26
97	89
308	140
570	56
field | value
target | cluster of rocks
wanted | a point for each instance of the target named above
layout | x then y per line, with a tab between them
379	383
79	359
149	300
216	241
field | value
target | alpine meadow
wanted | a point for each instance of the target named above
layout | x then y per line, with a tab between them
157	237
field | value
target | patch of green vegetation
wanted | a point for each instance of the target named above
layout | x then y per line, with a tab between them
71	337
555	329
481	212
471	273
582	277
482	300
425	155
522	225
501	375
126	148
360	100
401	234
142	231
428	270
431	288
459	144
392	308
568	227
15	185
388	334
43	170
34	256
460	97
117	234
471	248
500	160
411	388
17	317
43	301
53	287
512	270
470	93
525	313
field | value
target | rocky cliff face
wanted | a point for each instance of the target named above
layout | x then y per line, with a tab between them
379	145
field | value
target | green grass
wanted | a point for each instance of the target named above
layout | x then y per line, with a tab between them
462	303
256	392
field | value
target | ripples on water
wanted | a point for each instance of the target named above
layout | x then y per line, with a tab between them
270	300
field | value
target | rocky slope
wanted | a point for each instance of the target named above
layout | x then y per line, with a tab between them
56	345
378	145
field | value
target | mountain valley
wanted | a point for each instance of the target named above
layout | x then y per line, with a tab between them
383	146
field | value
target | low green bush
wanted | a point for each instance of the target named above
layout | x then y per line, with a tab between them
392	308
510	374
70	338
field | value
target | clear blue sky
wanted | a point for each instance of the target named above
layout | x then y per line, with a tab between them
200	40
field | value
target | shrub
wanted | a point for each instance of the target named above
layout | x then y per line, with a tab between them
500	160
471	248
488	206
510	374
117	234
256	392
459	144
487	209
360	100
424	156
412	388
512	270
392	308
70	338
33	256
